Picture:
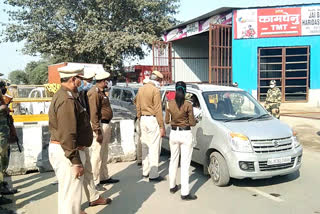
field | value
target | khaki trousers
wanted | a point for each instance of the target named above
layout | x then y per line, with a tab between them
88	183
69	187
150	140
99	155
180	142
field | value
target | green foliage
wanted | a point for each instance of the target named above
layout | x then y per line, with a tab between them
18	77
35	73
89	31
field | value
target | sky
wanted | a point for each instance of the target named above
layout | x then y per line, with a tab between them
11	57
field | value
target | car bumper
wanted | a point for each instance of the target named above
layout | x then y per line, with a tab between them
261	168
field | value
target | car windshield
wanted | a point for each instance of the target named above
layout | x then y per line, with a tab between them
233	105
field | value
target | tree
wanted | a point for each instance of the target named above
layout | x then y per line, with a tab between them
18	77
88	31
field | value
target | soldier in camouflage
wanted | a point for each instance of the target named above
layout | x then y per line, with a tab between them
237	100
273	100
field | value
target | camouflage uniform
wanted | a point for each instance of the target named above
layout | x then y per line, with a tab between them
273	102
4	135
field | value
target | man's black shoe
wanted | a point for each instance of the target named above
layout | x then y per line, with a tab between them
139	163
188	197
109	181
4	201
174	189
6	190
145	176
158	179
6	211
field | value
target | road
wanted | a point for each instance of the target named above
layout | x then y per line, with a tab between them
296	193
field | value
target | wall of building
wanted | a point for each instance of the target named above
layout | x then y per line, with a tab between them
190	59
245	59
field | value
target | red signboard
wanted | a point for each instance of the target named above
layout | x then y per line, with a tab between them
279	22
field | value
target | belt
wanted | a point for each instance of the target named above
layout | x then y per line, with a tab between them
57	142
148	115
177	128
105	121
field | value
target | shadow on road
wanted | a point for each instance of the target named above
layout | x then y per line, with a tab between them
265	182
27	197
131	193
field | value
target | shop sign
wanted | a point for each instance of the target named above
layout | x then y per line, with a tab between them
276	22
197	27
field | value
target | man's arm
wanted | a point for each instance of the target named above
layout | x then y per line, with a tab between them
67	129
158	109
167	118
94	105
138	104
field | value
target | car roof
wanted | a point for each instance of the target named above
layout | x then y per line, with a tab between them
205	87
124	86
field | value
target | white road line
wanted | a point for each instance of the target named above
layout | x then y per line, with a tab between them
264	194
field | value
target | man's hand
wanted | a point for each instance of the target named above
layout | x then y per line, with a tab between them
77	170
162	132
99	138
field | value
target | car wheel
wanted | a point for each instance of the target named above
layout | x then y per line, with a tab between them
218	169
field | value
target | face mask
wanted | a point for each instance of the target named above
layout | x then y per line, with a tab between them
88	86
3	91
80	88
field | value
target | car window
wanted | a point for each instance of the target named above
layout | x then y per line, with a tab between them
232	105
127	96
116	92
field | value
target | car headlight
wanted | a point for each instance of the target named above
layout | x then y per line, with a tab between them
240	143
295	140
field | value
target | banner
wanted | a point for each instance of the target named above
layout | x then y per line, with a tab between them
197	27
276	22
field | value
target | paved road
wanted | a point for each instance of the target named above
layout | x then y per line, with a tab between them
296	193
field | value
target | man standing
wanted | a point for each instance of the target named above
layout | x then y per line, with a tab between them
273	100
71	132
149	112
88	184
100	116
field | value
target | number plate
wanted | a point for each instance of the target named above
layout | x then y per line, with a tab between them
275	161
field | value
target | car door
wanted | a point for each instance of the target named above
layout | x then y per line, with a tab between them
115	97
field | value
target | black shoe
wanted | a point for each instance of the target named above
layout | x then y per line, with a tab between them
6	211
174	189
158	179
139	163
145	176
109	181
188	197
4	201
6	190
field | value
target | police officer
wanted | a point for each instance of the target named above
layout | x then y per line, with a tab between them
149	111
273	100
100	116
71	132
88	183
179	114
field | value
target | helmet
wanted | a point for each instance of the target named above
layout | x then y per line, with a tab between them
273	82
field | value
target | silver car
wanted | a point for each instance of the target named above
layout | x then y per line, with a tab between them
236	137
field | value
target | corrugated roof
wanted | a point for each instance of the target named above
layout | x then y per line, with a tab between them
229	9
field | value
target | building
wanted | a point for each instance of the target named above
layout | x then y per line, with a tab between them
250	46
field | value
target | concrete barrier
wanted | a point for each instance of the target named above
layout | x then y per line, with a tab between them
34	138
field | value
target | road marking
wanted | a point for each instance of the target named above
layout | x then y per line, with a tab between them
264	194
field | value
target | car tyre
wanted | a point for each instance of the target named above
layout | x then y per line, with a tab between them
218	170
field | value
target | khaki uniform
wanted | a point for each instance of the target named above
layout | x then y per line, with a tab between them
180	141
150	114
4	136
100	116
70	132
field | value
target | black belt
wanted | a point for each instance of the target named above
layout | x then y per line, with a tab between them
105	121
185	128
148	115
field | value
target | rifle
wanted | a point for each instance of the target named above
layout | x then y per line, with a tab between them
13	137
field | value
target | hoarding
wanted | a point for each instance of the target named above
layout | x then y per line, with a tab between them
197	27
276	22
